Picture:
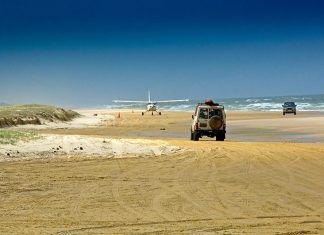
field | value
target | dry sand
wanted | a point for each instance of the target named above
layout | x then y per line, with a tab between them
208	187
53	146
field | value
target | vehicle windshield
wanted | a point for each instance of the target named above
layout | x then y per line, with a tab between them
289	104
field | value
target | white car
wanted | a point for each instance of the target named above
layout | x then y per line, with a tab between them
209	120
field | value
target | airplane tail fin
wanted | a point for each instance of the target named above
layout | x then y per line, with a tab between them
149	96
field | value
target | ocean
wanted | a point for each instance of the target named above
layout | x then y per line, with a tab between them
303	102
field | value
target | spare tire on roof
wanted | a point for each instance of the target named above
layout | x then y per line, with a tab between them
215	122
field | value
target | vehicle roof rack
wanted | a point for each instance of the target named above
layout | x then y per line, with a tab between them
214	104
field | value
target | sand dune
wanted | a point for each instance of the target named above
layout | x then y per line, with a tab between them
33	114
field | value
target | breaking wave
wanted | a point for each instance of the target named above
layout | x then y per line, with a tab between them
304	103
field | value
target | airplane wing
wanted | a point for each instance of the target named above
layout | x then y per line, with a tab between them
130	101
172	101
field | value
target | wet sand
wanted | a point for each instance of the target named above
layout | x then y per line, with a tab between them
208	187
242	126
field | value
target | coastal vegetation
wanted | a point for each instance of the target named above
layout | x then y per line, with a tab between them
33	114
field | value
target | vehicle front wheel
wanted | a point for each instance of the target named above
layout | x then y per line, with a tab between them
283	113
294	113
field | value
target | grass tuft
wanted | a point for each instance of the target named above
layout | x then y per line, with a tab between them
12	137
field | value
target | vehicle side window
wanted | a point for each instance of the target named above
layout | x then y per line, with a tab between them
215	112
203	113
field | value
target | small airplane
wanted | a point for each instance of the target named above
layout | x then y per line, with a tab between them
151	106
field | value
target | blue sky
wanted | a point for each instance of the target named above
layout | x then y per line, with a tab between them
90	52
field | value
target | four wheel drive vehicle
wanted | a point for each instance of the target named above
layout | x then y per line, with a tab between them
209	120
289	107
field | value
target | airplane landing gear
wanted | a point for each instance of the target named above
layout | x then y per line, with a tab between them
152	113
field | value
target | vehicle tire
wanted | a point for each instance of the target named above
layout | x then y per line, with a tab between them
220	137
160	113
283	113
142	113
195	136
191	136
152	114
294	113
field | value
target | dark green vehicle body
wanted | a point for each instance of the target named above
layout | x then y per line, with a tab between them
289	107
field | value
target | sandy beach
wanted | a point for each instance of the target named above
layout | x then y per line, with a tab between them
242	126
161	117
139	174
